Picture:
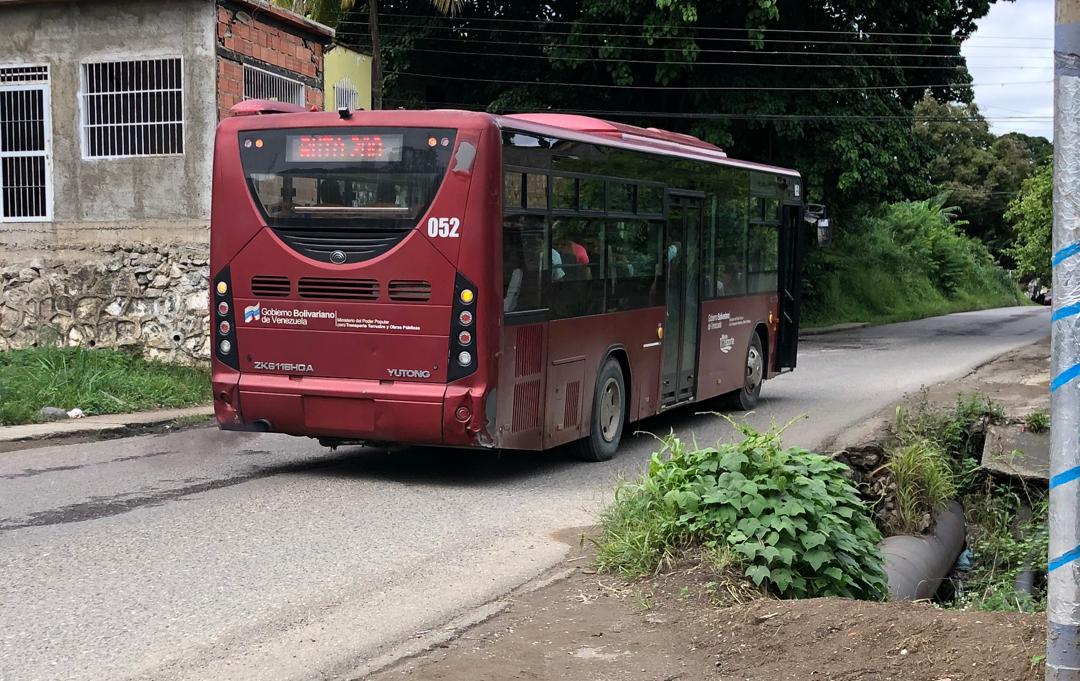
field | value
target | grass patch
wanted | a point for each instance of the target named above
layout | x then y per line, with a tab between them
788	519
98	381
909	261
1037	422
924	483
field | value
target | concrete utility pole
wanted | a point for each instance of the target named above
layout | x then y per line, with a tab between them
1063	608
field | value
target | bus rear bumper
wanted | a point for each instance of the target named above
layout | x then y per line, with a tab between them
353	409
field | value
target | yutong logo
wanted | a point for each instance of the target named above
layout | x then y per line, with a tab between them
284	366
409	373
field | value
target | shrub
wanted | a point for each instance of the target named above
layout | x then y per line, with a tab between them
793	518
908	260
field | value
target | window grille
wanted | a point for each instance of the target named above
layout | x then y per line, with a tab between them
132	108
260	84
345	94
25	144
15	75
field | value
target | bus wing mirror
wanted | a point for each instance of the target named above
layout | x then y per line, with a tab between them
824	232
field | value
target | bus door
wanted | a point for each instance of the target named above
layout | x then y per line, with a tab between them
791	252
681	320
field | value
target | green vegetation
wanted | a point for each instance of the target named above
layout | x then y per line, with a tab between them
792	519
1031	213
1037	422
909	260
1006	521
1008	535
97	381
924	483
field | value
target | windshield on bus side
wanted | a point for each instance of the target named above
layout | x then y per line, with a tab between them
335	176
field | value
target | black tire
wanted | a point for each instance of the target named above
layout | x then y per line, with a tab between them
746	398
608	415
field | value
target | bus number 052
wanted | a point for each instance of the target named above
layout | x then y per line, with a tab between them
445	227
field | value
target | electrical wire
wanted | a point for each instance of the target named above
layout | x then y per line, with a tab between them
732	116
905	67
696	39
801	53
725	88
709	28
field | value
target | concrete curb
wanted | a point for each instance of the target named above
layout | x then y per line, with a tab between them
821	330
98	425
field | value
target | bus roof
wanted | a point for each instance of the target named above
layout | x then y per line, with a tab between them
588	129
566	126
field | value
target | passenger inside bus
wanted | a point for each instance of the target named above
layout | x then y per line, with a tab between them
524	263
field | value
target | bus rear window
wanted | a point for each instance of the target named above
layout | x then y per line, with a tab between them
319	177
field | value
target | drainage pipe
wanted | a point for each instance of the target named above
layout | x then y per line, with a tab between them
916	566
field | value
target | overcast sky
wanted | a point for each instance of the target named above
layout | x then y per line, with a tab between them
1014	43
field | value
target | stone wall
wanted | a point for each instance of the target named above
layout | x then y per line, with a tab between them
148	298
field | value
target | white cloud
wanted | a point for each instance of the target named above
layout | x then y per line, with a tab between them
1014	43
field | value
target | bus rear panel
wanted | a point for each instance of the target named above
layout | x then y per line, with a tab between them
340	307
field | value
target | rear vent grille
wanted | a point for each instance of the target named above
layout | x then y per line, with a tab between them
405	291
268	286
528	351
338	289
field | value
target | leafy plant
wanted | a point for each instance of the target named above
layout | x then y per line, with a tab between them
1037	422
924	483
792	517
1006	540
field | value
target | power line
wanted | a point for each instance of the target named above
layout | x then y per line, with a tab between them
952	36
708	87
732	116
879	55
714	63
858	43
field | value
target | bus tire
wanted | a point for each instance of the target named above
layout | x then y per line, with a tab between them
608	415
746	398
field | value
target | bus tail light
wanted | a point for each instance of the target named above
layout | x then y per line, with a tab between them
225	329
462	339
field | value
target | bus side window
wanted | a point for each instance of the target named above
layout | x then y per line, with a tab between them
524	262
729	246
764	258
634	250
579	245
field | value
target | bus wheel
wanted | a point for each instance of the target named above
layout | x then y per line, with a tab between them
608	415
747	397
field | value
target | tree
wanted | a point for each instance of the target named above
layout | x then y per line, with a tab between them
804	83
981	172
1031	214
450	7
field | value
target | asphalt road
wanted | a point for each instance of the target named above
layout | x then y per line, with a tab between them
211	555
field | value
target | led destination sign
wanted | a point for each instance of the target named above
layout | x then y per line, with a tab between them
343	148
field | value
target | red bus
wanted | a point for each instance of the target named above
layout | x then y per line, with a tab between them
473	280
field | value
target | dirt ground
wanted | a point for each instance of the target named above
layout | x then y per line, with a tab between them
593	627
686	625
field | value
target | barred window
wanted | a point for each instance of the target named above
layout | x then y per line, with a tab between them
25	144
261	84
346	94
132	108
